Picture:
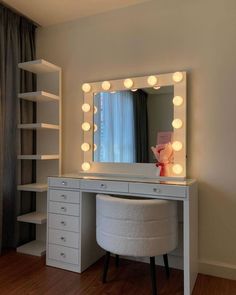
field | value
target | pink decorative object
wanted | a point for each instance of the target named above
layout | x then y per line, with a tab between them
164	155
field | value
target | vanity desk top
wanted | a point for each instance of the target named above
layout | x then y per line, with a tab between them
119	184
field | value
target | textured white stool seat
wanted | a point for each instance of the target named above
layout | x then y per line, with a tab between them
136	227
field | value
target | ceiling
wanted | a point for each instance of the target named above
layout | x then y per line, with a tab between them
50	12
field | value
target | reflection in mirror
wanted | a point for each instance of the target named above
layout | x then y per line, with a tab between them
129	122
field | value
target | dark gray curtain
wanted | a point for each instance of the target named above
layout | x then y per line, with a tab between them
17	44
141	126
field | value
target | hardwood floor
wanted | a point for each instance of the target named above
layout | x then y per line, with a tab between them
22	274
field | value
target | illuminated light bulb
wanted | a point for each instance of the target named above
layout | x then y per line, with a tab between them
85	147
86	87
177	123
177	77
95	109
85	166
135	89
177	169
177	146
152	80
95	147
86	126
156	87
178	100
95	127
106	85
86	107
113	92
128	83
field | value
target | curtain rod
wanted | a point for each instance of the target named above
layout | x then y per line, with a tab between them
19	13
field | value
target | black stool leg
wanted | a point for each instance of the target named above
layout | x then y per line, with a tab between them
117	260
153	275
165	258
106	265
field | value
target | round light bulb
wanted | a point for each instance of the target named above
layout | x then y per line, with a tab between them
134	90
128	83
106	85
156	87
95	147
85	147
177	123
177	77
178	100
177	146
95	109
152	80
86	107
85	166
95	127
177	169
86	126
86	87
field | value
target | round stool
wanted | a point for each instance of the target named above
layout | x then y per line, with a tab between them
136	227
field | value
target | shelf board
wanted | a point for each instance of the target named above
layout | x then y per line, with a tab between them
36	248
40	96
33	187
38	157
39	66
38	126
33	217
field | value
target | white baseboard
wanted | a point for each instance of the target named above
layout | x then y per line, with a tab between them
218	269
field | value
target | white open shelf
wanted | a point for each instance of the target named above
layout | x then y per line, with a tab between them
33	187
38	157
36	248
33	217
39	66
40	96
38	126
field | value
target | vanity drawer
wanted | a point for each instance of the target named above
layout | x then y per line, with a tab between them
64	196
63	254
64	222
111	186
158	189
63	238
63	182
64	208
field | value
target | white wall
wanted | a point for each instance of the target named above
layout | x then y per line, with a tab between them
158	37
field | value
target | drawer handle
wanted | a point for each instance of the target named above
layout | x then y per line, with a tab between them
156	190
63	223
63	209
64	182
63	239
103	185
64	196
63	254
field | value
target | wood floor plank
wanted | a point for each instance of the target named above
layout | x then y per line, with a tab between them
28	275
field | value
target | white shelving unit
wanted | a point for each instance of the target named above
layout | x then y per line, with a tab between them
48	157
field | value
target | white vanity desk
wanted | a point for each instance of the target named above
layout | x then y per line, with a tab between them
71	234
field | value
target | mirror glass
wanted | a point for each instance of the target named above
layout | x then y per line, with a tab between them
128	123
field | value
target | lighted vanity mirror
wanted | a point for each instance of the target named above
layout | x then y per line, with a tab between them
129	122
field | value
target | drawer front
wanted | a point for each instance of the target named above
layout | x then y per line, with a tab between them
63	254
63	238
64	222
111	186
64	208
64	196
158	190
63	182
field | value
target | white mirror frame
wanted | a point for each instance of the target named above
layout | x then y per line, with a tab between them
144	170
